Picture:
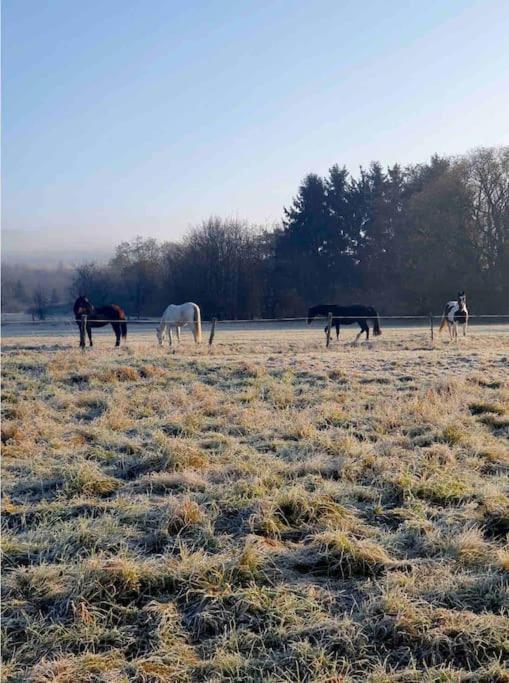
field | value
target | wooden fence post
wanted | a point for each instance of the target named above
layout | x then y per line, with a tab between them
329	326
212	331
431	327
83	330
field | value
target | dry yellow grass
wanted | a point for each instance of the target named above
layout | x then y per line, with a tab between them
267	510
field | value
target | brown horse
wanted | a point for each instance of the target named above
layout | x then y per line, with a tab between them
98	317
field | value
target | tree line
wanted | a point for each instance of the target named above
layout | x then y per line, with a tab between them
403	239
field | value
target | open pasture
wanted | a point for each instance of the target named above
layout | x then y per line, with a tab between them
265	510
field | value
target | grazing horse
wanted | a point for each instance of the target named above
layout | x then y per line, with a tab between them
177	316
99	317
346	315
455	313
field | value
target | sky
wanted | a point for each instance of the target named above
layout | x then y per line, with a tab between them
123	117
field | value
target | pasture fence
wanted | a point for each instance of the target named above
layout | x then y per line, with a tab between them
216	323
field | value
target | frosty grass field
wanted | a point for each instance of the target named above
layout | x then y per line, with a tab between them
267	510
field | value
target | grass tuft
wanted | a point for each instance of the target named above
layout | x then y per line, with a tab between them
339	554
87	479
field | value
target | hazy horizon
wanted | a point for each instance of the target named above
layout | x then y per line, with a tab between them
131	119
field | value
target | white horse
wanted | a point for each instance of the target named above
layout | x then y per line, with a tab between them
177	316
455	313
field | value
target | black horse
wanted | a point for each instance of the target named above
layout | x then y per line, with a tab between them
346	315
99	317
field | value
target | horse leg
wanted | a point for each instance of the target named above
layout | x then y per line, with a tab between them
356	341
170	336
337	331
82	334
367	330
178	333
116	329
89	332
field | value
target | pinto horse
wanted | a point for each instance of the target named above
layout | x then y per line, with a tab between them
455	313
346	315
99	317
177	316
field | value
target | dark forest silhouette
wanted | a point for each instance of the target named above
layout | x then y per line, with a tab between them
405	239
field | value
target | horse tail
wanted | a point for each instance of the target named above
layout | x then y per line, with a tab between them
376	322
123	328
197	324
443	322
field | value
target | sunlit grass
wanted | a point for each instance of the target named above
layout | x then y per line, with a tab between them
250	512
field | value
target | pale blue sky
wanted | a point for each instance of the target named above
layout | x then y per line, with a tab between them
123	117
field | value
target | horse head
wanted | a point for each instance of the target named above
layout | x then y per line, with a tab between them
462	300
159	335
82	306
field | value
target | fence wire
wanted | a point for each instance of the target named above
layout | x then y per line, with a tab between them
54	322
68	329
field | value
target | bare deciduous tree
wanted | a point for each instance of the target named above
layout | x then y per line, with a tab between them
40	301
